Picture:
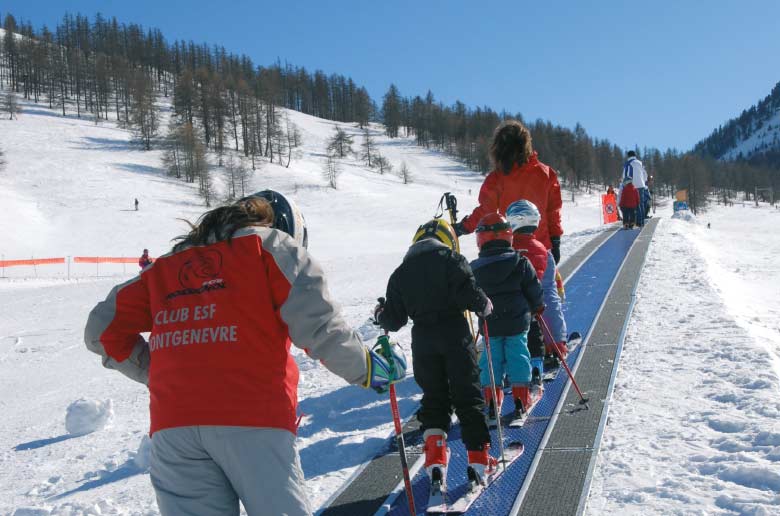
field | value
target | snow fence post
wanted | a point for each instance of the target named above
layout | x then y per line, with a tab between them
68	265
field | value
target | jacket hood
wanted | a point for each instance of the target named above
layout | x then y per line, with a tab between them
532	163
425	246
502	263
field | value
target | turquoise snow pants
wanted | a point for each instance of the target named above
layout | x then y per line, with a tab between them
510	358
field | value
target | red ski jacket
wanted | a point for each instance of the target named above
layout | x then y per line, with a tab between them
629	196
221	319
535	182
532	249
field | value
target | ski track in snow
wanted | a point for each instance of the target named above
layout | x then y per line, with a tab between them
68	190
693	425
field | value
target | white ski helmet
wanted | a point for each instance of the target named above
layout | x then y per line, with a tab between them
523	216
287	216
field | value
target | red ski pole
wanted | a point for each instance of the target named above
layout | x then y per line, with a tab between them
549	337
399	433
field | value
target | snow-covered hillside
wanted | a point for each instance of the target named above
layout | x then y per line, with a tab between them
764	137
694	423
68	189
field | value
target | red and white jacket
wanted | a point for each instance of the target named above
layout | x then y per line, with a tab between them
534	250
535	182
221	319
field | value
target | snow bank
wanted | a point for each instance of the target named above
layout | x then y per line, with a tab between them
87	416
685	215
143	457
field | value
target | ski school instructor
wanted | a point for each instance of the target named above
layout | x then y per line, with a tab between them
519	175
222	308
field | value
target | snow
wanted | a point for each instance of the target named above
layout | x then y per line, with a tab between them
765	138
86	416
693	425
694	422
68	190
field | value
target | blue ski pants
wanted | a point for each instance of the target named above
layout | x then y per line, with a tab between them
553	307
510	358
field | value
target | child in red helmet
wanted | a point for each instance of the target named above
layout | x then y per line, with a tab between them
510	281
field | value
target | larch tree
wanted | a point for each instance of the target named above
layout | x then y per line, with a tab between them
340	144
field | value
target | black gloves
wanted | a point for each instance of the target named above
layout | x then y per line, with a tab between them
378	309
459	228
556	248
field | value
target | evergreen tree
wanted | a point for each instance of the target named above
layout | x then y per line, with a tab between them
391	111
340	143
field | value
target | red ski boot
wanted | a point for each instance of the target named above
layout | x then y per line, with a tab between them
481	464
436	458
492	413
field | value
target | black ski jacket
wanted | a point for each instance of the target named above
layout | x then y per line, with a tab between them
510	281
433	286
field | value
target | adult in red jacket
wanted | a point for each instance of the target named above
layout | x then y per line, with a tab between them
519	175
222	309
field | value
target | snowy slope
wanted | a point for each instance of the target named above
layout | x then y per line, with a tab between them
762	139
693	426
68	190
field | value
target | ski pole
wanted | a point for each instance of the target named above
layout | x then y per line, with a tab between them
495	393
384	341
547	333
451	202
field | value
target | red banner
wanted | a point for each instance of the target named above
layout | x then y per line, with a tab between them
103	259
32	261
609	209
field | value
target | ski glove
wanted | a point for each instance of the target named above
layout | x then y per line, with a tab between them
556	248
460	228
485	313
386	365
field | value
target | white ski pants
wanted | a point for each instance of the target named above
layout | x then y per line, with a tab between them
206	470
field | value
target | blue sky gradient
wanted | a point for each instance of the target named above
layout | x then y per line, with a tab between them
664	74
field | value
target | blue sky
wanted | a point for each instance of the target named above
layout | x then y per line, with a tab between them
663	74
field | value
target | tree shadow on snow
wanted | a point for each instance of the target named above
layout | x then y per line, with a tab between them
126	470
351	408
108	144
40	443
135	167
339	456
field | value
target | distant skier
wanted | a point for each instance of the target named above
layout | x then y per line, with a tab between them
524	218
222	308
629	203
634	170
510	281
433	286
136	205
144	260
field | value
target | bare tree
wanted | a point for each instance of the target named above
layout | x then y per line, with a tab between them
383	164
368	153
404	173
293	140
203	172
10	105
144	117
340	143
331	171
2	161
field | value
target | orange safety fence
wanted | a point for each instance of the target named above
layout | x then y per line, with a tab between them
32	261
104	259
